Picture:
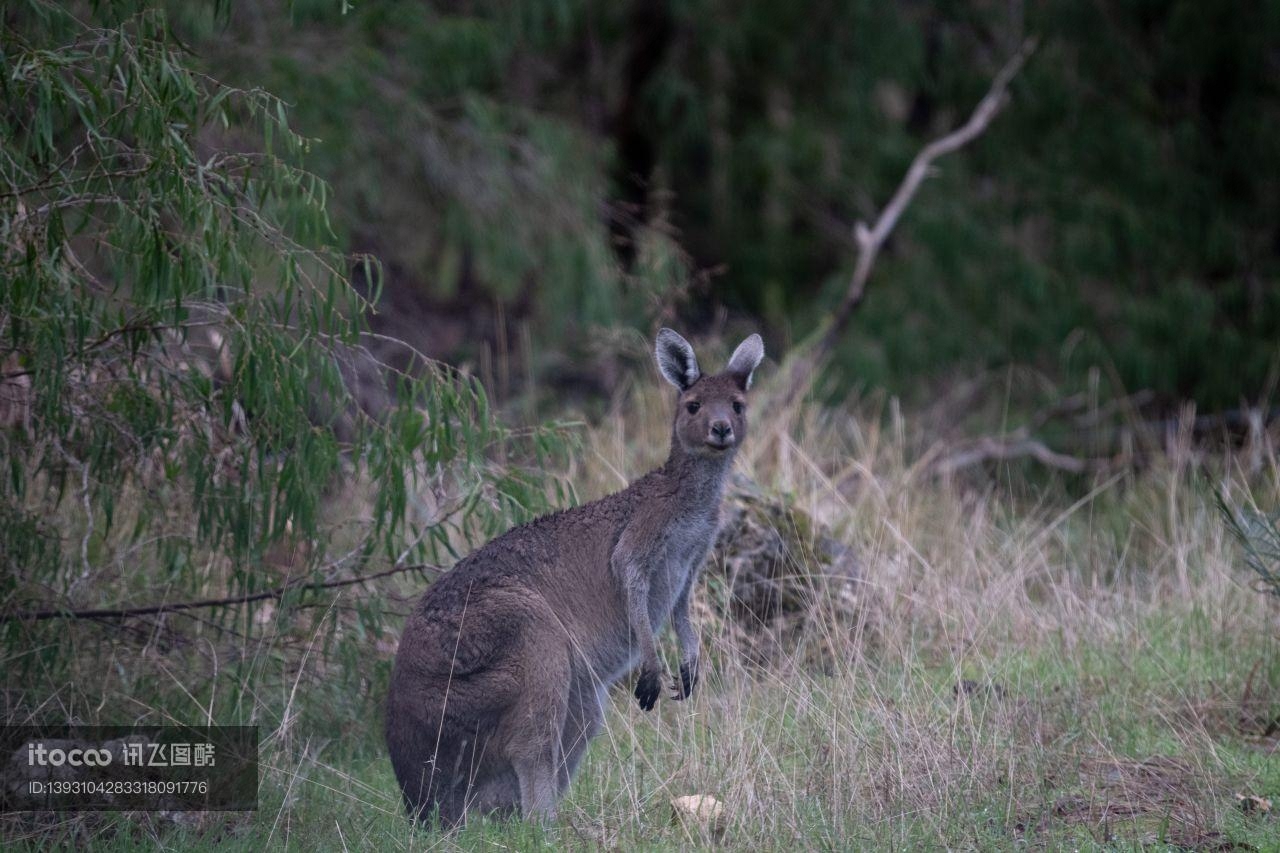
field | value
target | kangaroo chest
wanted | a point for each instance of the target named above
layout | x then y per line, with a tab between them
684	547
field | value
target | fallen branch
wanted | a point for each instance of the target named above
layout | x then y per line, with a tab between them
871	240
274	593
990	449
943	460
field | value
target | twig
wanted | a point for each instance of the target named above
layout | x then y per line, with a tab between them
177	606
871	240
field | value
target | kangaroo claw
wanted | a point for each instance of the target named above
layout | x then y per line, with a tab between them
683	686
648	686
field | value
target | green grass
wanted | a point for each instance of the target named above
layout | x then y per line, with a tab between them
1129	742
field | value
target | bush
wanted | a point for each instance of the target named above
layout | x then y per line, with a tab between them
1259	536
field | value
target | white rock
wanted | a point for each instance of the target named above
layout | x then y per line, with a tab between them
699	810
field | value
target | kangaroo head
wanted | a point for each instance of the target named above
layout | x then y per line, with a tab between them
711	412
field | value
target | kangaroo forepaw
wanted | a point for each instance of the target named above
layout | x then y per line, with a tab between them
682	687
648	686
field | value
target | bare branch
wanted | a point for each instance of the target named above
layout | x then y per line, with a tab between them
989	449
871	240
178	606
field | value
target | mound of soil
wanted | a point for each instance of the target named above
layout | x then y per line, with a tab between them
774	571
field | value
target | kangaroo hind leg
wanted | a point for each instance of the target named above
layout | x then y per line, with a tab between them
582	722
534	726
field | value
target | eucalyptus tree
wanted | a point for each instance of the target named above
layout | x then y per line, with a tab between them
184	369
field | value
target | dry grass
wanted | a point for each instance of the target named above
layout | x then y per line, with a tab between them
1018	662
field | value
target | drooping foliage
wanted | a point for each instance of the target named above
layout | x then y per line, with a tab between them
192	406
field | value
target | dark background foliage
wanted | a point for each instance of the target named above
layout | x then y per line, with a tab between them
581	165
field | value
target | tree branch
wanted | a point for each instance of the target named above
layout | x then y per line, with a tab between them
177	606
871	240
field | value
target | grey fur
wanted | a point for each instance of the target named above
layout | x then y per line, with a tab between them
499	682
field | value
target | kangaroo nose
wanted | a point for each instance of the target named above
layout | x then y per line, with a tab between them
721	430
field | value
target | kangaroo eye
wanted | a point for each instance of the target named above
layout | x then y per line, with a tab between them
692	408
737	407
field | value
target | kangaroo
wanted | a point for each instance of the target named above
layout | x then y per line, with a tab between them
498	685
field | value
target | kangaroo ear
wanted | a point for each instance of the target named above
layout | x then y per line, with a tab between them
676	359
745	359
